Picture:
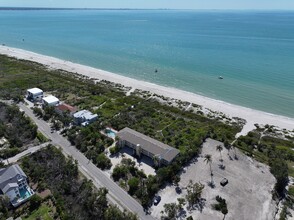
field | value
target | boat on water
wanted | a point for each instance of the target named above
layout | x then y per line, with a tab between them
220	77
156	71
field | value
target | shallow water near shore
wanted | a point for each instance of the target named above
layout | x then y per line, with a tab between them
252	51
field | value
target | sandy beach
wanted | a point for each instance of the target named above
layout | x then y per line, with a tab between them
250	115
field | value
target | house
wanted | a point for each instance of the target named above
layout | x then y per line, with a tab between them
50	101
65	108
142	144
34	94
84	117
13	184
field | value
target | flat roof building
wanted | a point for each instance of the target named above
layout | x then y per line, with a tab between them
161	153
34	94
50	101
84	117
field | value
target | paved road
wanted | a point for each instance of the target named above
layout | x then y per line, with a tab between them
116	194
24	153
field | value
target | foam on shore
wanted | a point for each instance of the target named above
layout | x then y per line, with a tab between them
252	116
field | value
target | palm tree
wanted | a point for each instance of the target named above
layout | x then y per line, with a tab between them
208	160
219	148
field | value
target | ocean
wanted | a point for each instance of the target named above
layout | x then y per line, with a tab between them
252	50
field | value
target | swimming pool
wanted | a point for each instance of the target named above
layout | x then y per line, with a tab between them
110	133
25	193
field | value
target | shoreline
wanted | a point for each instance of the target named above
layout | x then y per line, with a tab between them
251	116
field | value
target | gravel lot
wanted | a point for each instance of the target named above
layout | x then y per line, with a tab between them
248	193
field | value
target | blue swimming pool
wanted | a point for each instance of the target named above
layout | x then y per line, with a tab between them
25	193
110	133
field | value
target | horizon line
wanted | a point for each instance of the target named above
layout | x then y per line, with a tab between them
87	8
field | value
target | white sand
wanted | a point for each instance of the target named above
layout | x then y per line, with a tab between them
248	192
250	115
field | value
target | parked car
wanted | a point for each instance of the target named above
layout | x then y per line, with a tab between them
157	200
224	182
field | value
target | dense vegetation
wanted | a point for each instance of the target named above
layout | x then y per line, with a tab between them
276	152
73	196
16	128
91	142
176	127
184	130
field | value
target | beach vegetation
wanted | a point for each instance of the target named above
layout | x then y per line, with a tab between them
184	130
275	151
17	130
72	195
221	205
193	197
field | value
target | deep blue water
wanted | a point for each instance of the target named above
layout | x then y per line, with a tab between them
253	51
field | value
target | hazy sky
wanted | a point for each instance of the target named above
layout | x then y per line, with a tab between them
172	4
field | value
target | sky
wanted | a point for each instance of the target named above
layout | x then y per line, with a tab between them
153	4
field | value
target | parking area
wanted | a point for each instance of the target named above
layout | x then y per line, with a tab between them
248	191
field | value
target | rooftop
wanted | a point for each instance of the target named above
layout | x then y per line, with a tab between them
9	175
87	115
149	144
35	90
50	99
66	107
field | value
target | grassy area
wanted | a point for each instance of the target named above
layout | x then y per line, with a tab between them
291	191
43	212
291	168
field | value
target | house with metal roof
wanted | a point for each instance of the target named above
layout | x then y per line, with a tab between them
50	101
84	117
65	109
34	94
141	144
13	184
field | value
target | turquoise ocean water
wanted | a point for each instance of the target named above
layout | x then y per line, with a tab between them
253	51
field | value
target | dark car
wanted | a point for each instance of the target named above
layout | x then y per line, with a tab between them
157	200
224	182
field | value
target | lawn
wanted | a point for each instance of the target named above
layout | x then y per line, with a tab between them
42	212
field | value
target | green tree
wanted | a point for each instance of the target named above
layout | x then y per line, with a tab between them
114	213
4	204
194	192
133	185
181	203
279	169
103	162
35	202
170	211
219	148
221	206
208	160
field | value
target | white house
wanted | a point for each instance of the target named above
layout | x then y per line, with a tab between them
84	117
34	94
13	183
50	101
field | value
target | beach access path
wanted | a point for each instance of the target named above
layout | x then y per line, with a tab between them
250	115
30	150
116	194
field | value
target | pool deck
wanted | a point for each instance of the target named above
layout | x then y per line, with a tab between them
24	196
108	135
